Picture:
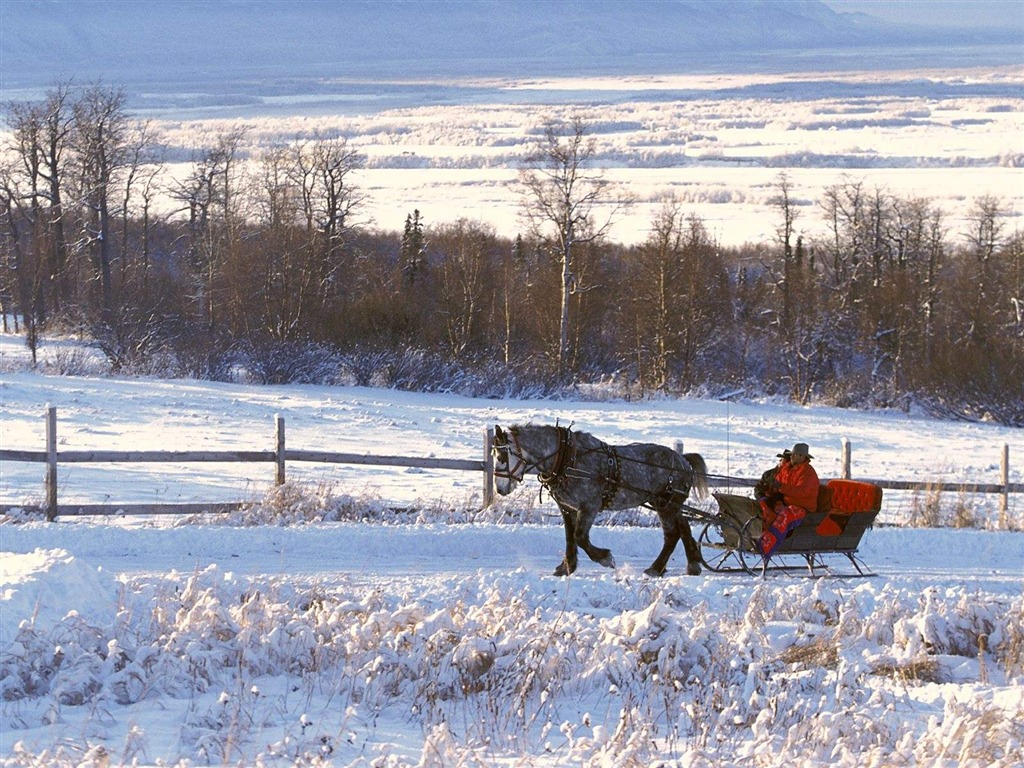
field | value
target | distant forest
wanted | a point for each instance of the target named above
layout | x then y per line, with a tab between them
261	272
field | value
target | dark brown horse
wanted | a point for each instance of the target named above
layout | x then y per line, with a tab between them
584	476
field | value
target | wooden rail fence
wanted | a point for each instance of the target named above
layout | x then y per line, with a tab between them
281	455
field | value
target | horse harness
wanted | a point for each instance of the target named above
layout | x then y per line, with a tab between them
565	468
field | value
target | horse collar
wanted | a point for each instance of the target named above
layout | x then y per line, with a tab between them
565	457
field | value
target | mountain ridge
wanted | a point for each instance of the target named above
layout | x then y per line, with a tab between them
41	40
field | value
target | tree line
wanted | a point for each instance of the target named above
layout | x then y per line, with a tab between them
261	265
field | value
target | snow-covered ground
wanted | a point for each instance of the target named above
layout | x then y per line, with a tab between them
437	643
715	143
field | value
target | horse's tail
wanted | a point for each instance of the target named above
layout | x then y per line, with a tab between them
700	474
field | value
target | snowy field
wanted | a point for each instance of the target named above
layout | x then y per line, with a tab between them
437	643
441	643
715	143
737	439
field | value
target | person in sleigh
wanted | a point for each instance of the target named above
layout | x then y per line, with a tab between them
787	499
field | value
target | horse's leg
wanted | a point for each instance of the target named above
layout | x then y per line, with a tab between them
675	528
584	520
691	546
568	565
670	534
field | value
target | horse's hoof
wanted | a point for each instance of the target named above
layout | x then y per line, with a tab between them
693	569
607	561
564	570
654	573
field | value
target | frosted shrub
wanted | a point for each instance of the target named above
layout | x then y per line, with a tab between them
632	744
75	361
28	665
298	504
963	515
609	669
68	663
975	734
926	511
1007	640
270	361
31	513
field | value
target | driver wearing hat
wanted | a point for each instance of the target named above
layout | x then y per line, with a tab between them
797	481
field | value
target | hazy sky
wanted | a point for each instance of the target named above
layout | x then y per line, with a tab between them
946	13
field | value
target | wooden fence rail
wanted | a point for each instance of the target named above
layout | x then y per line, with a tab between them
281	455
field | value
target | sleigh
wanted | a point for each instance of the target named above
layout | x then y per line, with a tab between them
730	540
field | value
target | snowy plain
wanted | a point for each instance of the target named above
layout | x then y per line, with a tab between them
715	143
439	637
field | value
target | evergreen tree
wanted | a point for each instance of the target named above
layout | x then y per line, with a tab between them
413	251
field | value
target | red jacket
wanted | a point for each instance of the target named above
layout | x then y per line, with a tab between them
799	485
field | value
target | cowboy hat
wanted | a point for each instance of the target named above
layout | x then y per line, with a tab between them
802	449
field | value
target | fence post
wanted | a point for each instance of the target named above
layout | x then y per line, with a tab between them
279	422
488	467
51	463
1004	500
679	447
845	471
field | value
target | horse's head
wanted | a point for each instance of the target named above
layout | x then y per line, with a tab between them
509	466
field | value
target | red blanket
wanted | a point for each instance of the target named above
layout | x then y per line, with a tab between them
786	519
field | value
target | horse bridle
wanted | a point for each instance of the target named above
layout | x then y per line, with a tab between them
518	472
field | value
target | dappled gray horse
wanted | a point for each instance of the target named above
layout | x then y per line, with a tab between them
584	476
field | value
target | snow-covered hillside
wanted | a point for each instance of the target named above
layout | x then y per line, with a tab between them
272	46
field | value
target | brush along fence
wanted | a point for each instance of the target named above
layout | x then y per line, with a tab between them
281	455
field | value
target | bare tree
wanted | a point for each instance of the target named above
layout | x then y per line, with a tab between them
679	296
207	194
267	285
463	255
561	200
511	294
40	136
322	170
139	190
986	226
984	238
100	140
784	234
21	265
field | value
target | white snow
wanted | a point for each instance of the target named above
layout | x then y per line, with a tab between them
147	641
715	143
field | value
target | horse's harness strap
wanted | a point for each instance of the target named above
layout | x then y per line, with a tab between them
613	479
565	459
609	475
